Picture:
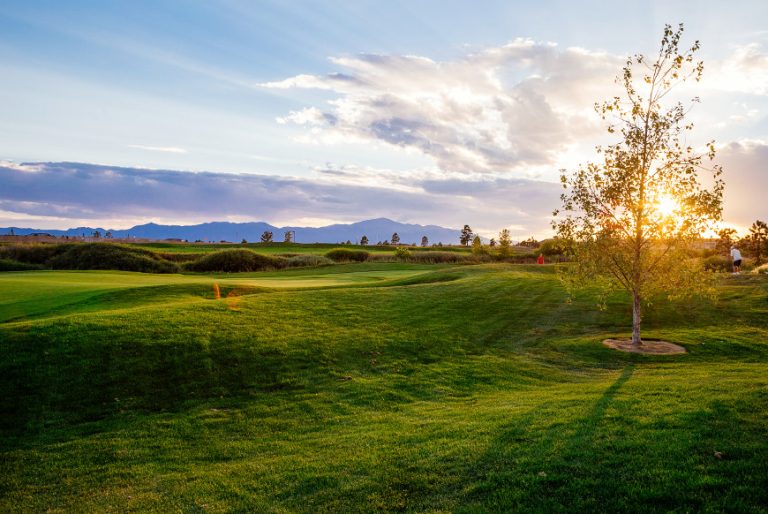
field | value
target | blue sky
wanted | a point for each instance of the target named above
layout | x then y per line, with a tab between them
343	96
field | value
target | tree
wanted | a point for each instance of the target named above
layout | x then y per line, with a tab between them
725	240
266	237
424	241
288	236
96	234
505	242
244	241
758	234
466	235
395	239
492	243
477	246
364	241
108	234
632	216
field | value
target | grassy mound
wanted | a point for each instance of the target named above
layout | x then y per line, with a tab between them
88	256
347	255
108	256
235	260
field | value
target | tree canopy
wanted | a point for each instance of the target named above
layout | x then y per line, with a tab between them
632	216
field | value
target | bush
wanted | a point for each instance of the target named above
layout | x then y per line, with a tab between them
550	247
402	253
301	261
346	255
9	265
109	256
235	260
717	263
762	270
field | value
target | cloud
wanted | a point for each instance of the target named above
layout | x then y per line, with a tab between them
61	191
506	108
745	70
746	181
167	149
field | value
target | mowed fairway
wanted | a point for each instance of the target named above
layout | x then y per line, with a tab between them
388	387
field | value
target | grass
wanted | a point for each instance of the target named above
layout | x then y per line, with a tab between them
374	386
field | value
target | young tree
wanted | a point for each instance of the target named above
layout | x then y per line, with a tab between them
466	235
395	239
266	237
632	216
424	241
477	246
492	243
505	242
288	236
364	241
758	234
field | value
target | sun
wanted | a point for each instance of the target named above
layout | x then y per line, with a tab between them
666	205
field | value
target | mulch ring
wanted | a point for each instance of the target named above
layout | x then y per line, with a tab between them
647	347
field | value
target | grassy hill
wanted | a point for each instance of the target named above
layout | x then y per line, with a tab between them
375	386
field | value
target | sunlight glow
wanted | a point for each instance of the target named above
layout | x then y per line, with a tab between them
666	205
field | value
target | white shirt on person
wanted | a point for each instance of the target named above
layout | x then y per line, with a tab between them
736	254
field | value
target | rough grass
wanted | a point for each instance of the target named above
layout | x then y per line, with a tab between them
466	389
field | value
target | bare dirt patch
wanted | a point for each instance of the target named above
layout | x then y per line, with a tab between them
648	347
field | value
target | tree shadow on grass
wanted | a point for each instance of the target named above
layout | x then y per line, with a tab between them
527	470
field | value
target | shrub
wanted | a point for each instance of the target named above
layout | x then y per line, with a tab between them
346	255
235	260
762	270
108	256
553	246
300	261
717	263
402	253
9	265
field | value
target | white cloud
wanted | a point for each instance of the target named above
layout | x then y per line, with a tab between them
167	149
745	71
506	108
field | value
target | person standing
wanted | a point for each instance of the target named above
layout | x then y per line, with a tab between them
736	256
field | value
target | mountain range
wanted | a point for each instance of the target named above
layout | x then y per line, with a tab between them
379	229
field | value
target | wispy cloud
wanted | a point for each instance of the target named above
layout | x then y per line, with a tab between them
167	149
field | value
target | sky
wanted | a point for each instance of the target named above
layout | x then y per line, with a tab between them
315	112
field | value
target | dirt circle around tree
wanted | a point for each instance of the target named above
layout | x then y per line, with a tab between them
648	347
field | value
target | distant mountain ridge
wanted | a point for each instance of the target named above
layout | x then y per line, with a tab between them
379	229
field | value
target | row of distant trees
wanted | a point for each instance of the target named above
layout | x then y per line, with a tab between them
466	237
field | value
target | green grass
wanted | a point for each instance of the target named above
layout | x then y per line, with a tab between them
375	386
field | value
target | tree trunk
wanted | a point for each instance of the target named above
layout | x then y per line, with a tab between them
636	317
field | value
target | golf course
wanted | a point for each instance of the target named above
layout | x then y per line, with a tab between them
376	386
